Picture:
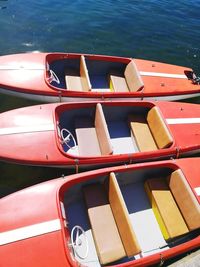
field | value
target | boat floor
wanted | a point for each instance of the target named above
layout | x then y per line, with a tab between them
142	218
120	138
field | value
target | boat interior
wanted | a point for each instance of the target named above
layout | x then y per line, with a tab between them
103	130
126	215
91	75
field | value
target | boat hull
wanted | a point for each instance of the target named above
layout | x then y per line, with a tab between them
26	75
44	226
34	130
57	99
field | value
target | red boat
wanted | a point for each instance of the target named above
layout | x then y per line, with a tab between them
92	134
59	77
134	215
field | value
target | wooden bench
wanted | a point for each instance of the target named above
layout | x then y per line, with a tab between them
150	133
78	81
175	206
158	128
130	81
112	231
93	137
165	209
88	144
141	133
118	83
185	199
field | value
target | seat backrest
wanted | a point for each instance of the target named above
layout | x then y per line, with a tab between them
185	199
133	77
159	129
121	216
85	80
102	131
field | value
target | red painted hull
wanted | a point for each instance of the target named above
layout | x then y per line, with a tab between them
29	135
41	203
26	75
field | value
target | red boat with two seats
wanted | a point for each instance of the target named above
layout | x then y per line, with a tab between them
133	215
92	134
59	77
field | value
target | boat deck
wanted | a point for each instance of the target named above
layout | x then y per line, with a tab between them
130	190
142	219
117	124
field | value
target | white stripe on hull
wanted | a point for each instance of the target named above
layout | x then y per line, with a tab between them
29	231
164	75
27	129
183	121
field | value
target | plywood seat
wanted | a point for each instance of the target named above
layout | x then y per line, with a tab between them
129	81
185	199
93	137
78	80
73	80
142	133
88	144
150	132
159	129
112	231
165	208
106	236
118	83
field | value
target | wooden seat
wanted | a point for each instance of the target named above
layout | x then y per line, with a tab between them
185	199
165	208
78	80
112	231
88	144
159	129
122	219
133	77
104	229
102	131
150	132
129	81
73	80
118	83
141	133
93	137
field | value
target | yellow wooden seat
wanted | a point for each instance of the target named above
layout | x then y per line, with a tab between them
158	128
185	199
141	133
133	77
165	208
150	132
122	219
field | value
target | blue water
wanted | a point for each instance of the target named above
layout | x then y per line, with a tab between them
167	31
